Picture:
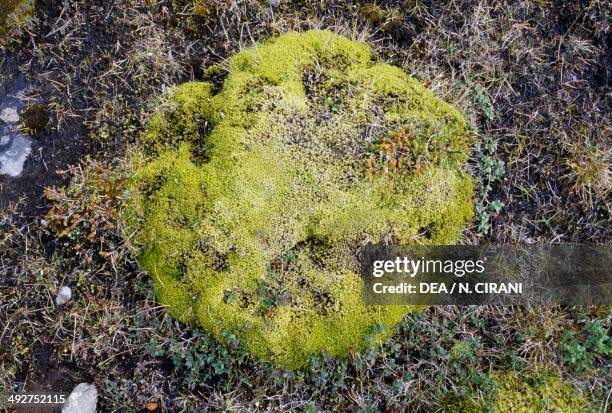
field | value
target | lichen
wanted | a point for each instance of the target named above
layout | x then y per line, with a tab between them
515	392
14	14
249	205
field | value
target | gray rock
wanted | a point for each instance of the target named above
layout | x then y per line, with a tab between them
13	158
275	3
83	399
9	115
63	295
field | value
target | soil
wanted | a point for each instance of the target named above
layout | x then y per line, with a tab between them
55	382
52	151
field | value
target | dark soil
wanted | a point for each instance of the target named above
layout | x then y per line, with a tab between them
52	149
51	152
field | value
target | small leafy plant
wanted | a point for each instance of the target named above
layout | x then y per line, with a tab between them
86	212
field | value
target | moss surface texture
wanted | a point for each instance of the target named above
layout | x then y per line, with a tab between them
523	393
250	203
14	14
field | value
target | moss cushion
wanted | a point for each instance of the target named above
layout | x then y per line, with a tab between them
249	204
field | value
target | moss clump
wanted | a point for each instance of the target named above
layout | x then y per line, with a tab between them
523	393
250	205
34	118
453	403
204	9
14	14
389	20
546	394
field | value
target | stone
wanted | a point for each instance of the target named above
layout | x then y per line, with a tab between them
63	296
13	158
83	399
9	115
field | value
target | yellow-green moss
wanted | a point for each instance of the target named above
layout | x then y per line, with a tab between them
14	14
249	205
546	394
524	393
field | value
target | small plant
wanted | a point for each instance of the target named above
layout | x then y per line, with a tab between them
465	349
581	348
481	97
589	172
489	168
199	360
388	19
378	330
269	298
518	392
86	212
404	151
489	171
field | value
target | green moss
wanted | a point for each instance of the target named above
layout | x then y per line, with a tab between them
373	13
523	393
249	205
203	8
517	394
34	118
388	19
461	404
14	14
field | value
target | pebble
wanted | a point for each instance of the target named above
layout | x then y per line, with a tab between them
12	159
151	406
83	399
9	115
63	296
